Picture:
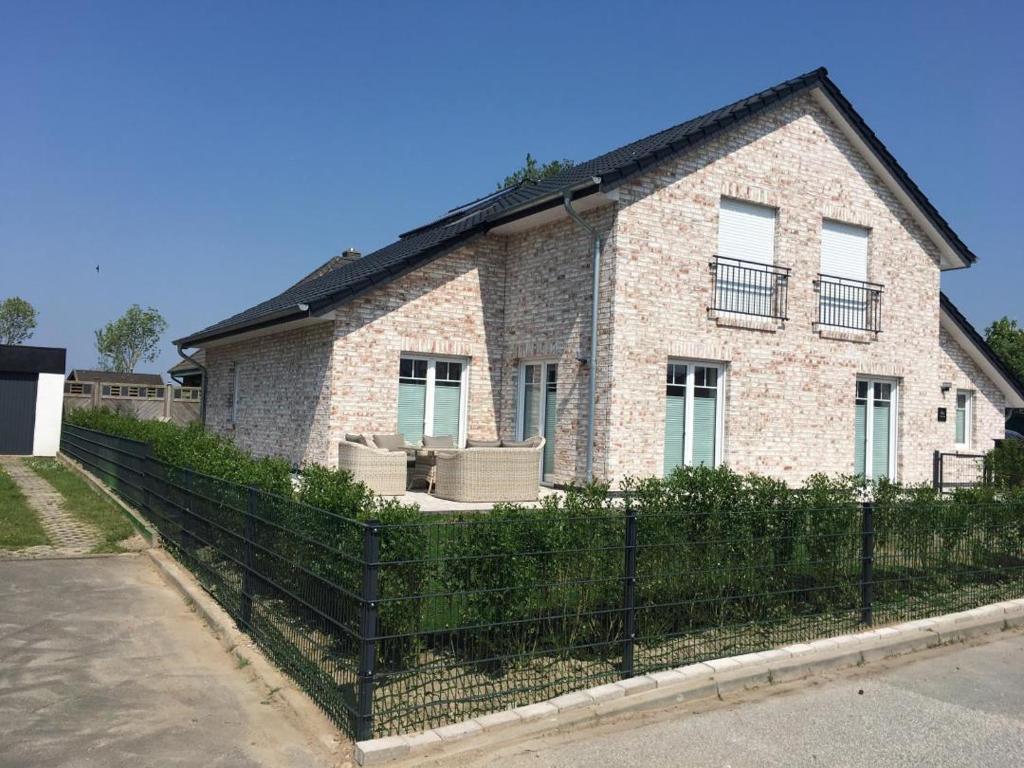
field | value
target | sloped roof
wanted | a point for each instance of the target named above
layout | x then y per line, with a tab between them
188	366
986	357
112	377
603	172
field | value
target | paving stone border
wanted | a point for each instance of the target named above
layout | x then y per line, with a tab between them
711	679
68	536
147	531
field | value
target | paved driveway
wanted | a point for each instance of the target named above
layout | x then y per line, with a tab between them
101	664
956	706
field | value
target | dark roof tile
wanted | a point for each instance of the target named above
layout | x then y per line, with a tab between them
420	244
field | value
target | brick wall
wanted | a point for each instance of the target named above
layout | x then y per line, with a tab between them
501	300
284	398
549	288
453	306
790	391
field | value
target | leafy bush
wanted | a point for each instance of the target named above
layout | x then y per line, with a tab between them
191	447
1005	464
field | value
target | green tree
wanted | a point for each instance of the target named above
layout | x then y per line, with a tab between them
1007	339
17	320
131	339
534	171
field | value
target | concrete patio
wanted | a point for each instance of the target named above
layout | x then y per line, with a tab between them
430	503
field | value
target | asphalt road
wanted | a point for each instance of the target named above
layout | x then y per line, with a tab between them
957	706
102	664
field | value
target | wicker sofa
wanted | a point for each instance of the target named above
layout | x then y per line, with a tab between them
490	474
381	470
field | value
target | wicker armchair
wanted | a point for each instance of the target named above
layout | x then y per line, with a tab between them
382	471
490	474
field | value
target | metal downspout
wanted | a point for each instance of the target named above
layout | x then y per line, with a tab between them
202	405
595	298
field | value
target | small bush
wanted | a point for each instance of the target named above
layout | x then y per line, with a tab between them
1005	464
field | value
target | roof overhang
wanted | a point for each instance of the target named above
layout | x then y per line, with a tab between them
553	211
953	253
981	354
278	325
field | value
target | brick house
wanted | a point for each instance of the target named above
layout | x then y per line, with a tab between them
768	296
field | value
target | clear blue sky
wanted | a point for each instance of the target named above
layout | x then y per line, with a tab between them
207	154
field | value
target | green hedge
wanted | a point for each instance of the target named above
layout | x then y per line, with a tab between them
191	447
1005	464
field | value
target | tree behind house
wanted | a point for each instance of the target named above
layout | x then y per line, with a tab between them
131	339
1007	339
534	171
17	320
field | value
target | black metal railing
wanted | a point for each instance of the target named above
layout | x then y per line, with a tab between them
849	304
958	470
750	288
415	621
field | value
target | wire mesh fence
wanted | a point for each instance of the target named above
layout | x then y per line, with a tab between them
399	626
288	574
499	610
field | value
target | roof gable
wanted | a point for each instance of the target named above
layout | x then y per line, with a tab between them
603	173
972	342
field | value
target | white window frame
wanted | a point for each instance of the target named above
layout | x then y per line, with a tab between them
521	398
869	425
428	405
968	417
521	391
691	366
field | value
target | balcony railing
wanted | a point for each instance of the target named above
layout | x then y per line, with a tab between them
750	288
850	304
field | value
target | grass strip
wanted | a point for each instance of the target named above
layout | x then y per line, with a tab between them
19	524
85	503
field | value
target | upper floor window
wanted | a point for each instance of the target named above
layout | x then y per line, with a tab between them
846	298
746	279
746	232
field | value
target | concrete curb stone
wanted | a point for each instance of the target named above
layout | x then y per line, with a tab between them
302	709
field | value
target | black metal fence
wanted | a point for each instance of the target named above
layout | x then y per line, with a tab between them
750	288
290	575
400	626
958	470
850	304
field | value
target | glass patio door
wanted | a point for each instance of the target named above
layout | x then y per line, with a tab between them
538	414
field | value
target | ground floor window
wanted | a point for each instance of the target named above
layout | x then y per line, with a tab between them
431	398
693	415
964	401
538	408
875	449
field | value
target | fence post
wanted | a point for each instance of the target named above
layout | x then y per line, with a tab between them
937	470
186	518
368	628
629	591
867	562
144	476
248	554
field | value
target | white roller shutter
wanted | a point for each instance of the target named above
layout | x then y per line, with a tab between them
746	231
844	251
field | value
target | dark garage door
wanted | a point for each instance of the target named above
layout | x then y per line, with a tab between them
17	412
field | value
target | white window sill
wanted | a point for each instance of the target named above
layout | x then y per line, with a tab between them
750	322
844	334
